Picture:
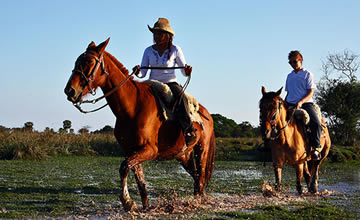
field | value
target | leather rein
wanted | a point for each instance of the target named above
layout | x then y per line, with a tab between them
100	63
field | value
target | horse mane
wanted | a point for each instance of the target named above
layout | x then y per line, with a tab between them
117	63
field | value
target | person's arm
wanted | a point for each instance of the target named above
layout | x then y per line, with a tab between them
180	61
144	62
306	98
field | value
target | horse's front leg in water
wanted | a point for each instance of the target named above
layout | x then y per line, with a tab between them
299	176
315	177
147	153
277	171
139	176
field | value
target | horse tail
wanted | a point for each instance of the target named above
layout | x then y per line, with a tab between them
210	162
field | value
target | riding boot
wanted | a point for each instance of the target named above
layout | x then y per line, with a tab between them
182	113
315	154
190	136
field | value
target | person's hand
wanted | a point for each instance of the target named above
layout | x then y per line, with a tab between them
188	70
136	70
299	104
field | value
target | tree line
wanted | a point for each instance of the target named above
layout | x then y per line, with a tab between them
337	94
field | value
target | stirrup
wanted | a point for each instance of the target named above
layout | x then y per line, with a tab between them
190	137
315	155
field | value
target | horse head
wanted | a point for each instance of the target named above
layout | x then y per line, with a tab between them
88	73
270	105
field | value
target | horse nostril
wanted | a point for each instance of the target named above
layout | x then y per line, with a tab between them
70	92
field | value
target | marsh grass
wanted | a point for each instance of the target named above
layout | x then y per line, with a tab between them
37	146
82	186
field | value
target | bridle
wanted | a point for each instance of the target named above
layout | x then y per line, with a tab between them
90	78
99	63
273	121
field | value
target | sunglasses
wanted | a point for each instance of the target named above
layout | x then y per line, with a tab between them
293	61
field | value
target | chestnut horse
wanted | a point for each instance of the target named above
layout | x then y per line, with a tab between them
289	142
140	130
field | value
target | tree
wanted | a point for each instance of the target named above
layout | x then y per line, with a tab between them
84	130
66	125
223	126
107	129
28	126
345	64
339	98
4	129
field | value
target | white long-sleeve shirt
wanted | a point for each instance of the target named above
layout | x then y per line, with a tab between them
152	58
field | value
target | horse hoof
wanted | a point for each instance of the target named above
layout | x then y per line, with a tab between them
278	188
313	188
300	190
130	206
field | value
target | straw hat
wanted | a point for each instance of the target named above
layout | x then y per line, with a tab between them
162	24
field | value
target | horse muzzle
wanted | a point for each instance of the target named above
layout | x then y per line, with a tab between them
72	95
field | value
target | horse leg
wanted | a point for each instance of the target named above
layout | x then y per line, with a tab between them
200	156
315	176
307	175
277	171
128	204
139	176
147	153
187	161
299	176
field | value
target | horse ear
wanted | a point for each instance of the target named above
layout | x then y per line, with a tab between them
101	47
91	45
263	90
279	91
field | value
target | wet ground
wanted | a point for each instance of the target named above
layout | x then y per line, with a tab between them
78	187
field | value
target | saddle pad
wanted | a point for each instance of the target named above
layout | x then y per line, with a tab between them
165	97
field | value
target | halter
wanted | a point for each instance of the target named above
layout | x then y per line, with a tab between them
99	63
273	120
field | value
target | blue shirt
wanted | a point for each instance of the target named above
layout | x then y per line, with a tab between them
298	85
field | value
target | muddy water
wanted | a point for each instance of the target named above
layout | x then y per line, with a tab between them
342	180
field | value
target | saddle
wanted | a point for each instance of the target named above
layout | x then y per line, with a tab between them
166	101
302	119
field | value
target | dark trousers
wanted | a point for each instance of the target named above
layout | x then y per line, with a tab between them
181	110
314	124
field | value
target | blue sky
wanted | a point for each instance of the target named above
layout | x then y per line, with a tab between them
235	47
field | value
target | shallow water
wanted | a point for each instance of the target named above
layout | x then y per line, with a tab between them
73	183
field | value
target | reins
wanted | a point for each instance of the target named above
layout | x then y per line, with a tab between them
101	62
273	125
77	105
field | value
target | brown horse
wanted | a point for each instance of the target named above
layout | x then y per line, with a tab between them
140	130
289	142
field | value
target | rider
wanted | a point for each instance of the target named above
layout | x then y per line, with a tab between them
166	54
300	86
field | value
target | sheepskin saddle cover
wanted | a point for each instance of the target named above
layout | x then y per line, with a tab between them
302	115
166	99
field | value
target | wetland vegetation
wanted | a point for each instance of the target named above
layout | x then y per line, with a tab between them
89	186
64	175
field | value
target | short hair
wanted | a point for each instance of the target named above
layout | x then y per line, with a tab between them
296	54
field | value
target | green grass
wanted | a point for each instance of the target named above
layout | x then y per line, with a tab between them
65	186
302	211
